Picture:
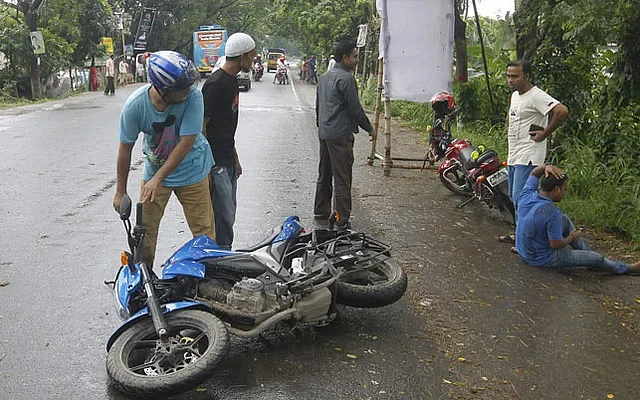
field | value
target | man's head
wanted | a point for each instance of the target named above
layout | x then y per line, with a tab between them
519	75
240	50
554	188
346	53
172	75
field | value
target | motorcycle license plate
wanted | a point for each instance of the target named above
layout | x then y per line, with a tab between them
498	177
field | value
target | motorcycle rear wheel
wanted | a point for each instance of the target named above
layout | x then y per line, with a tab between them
139	366
376	284
459	176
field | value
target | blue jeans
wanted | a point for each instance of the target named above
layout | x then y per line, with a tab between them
224	186
579	255
518	175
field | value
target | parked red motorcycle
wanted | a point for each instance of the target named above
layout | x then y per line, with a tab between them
444	111
478	173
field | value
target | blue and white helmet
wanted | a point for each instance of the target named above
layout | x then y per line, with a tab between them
171	71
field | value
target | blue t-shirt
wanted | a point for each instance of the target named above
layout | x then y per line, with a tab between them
539	221
162	131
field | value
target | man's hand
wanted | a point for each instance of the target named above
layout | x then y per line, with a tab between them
117	201
150	189
238	169
575	235
538	136
553	170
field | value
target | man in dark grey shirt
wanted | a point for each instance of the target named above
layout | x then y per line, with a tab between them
338	115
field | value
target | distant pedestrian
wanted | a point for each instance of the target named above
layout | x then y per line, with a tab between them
123	71
110	75
304	69
312	72
338	115
94	83
178	159
221	101
332	62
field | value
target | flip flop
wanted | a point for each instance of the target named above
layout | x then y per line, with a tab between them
507	239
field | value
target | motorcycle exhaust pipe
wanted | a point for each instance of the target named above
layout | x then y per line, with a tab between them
444	175
266	324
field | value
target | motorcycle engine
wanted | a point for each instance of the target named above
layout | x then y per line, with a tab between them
247	295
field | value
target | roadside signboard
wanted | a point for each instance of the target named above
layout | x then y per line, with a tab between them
37	42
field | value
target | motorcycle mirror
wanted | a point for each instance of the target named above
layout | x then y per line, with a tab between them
125	208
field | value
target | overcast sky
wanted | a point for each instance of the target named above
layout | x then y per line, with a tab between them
493	8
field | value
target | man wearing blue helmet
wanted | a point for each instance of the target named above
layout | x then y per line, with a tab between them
169	113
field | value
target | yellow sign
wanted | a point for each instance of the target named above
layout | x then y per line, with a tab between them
107	42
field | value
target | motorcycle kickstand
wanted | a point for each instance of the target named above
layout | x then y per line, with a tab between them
472	198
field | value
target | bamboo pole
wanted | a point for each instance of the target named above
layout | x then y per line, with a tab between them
376	121
387	163
363	80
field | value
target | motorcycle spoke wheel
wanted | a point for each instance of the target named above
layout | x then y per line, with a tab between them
140	364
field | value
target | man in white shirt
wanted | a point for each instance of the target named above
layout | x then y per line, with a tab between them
123	70
332	62
529	127
110	73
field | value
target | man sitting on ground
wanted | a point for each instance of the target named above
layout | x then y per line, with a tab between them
545	237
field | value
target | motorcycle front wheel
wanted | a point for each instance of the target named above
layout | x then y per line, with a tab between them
140	365
373	283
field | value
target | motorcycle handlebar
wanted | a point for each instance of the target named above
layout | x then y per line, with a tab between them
139	214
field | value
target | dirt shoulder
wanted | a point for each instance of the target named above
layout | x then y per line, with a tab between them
509	330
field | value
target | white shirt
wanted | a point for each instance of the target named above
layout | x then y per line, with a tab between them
332	62
530	108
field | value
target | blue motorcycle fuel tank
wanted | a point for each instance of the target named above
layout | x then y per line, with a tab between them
187	260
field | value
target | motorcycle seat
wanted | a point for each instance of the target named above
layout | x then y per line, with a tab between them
486	156
265	242
244	264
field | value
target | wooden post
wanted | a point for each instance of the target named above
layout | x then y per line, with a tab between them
363	81
387	162
376	121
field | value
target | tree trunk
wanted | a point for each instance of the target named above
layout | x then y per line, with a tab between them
31	18
460	38
525	19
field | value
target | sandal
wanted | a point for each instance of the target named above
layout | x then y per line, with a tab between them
513	250
507	239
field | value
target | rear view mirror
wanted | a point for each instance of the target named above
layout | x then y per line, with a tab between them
125	207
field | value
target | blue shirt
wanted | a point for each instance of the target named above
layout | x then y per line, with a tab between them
539	221
162	131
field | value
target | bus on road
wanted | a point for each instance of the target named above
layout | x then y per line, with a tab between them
208	47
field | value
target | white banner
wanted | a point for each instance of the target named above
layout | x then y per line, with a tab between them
362	36
416	41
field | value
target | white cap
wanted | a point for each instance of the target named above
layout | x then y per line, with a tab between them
238	44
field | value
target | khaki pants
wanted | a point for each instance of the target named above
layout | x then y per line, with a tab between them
196	205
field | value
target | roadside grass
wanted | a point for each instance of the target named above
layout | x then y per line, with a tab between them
603	195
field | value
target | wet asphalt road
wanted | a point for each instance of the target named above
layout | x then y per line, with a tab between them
61	240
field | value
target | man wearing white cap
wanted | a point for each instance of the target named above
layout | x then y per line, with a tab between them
221	96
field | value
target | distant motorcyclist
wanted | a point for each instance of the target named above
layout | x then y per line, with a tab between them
282	70
257	66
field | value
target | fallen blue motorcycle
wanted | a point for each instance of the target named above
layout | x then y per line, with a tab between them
177	326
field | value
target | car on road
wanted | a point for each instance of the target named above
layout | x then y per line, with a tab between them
244	78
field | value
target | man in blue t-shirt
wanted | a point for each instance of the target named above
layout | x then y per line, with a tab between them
169	113
545	237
